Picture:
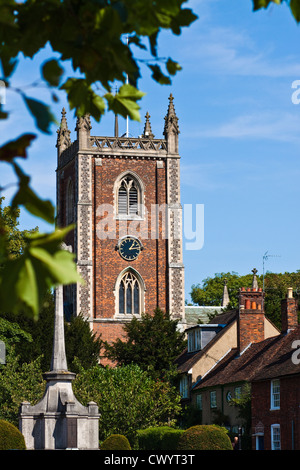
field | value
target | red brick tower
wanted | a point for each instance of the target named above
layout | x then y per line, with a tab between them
123	194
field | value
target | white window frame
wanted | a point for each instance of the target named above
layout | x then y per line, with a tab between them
184	386
275	394
213	399
275	437
194	340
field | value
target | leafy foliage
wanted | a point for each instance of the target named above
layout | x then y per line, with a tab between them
159	438
204	437
13	240
19	382
275	285
294	6
10	437
152	342
43	263
116	442
128	399
99	39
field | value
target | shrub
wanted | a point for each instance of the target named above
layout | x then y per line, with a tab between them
159	438
10	437
116	442
204	437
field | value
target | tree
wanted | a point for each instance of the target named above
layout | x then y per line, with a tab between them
210	292
152	342
81	343
15	239
128	398
101	40
19	381
275	287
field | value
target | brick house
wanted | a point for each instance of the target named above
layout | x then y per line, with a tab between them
230	331
276	387
271	367
123	195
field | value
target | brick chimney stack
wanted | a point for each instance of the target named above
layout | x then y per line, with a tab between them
289	312
251	315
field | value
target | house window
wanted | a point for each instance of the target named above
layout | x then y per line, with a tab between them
275	437
213	399
130	294
199	401
194	340
128	197
275	394
238	392
183	387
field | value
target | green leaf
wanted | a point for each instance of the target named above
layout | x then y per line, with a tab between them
83	99
44	264
41	113
26	197
295	8
158	76
125	102
173	67
257	4
16	148
52	72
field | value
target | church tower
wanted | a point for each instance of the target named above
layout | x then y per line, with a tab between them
123	195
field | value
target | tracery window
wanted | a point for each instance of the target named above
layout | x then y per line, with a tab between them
130	294
70	203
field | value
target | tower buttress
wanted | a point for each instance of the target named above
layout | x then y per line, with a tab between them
175	260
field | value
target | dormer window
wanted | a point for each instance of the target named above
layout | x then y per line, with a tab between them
199	336
194	340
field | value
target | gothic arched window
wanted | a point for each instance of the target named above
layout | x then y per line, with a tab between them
130	294
129	197
70	203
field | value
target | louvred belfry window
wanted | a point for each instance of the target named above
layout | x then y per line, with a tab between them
128	197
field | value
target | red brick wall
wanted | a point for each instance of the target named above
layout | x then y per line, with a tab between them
251	327
288	416
151	264
251	317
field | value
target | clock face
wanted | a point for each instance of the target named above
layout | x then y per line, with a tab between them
129	248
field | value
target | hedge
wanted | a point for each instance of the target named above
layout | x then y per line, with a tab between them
159	438
205	437
10	437
116	442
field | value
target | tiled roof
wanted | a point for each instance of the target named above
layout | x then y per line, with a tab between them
264	360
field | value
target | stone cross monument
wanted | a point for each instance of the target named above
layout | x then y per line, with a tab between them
59	421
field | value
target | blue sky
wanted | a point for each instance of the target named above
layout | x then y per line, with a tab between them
239	134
